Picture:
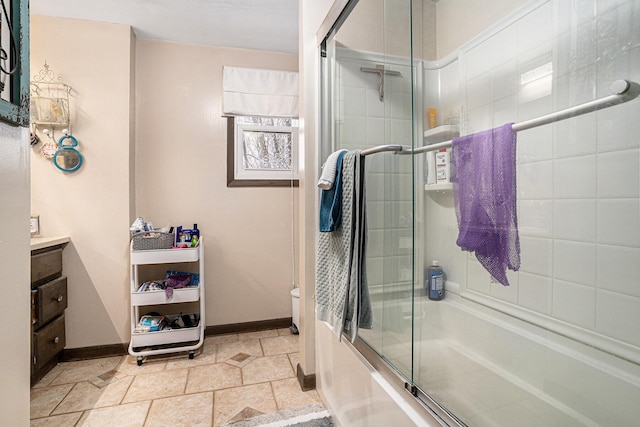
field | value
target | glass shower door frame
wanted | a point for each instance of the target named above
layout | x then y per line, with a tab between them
402	381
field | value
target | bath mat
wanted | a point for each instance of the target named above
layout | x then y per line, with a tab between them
304	416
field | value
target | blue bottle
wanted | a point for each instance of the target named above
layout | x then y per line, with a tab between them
435	277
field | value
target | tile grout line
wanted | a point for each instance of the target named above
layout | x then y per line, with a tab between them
128	388
213	407
273	395
146	416
79	418
62	400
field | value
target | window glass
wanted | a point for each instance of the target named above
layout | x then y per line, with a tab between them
264	151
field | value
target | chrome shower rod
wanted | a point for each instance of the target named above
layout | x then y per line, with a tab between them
622	91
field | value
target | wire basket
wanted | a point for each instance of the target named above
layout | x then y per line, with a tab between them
151	240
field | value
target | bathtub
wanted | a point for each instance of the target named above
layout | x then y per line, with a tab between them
490	368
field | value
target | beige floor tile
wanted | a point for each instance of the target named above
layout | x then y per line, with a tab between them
289	395
284	331
229	402
259	334
129	365
65	420
191	410
49	377
74	372
129	415
205	355
268	368
280	345
45	399
220	339
85	396
228	350
213	377
157	385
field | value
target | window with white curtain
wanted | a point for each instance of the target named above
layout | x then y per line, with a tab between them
262	126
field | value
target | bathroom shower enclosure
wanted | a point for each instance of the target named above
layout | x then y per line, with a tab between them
561	344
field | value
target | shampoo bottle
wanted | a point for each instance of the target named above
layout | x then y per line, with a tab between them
195	235
435	276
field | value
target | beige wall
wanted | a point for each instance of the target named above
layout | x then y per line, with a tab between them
14	264
382	26
175	172
458	21
91	205
181	146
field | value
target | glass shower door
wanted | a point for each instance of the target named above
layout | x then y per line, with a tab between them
370	82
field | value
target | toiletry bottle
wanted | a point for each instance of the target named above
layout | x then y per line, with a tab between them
432	118
178	234
435	276
430	167
195	235
442	166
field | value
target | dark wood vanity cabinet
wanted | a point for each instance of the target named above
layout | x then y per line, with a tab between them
48	302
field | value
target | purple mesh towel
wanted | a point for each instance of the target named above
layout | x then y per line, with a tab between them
484	190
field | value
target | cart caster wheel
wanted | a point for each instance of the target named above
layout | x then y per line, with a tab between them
191	354
139	360
293	330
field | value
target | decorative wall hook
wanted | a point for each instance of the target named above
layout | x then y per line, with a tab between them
50	112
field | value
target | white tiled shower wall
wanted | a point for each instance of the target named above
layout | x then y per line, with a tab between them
578	180
363	120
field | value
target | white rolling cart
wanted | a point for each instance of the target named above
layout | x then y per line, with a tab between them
166	340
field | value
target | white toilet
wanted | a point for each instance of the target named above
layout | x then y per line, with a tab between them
295	310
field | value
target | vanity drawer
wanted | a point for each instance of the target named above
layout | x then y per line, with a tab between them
48	342
51	300
46	265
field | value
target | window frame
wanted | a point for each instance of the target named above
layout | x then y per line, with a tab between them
237	176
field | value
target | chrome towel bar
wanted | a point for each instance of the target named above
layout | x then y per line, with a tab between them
622	91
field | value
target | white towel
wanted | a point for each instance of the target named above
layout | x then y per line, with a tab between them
329	171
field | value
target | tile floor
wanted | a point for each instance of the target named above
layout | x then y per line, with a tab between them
234	376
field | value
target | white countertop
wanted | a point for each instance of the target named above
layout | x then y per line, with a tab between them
45	242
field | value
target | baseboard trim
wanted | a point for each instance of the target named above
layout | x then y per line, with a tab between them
260	325
109	350
95	352
307	382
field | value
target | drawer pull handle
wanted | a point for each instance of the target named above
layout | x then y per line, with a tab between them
60	298
56	340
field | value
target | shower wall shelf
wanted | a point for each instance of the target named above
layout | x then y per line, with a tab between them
436	135
441	133
445	186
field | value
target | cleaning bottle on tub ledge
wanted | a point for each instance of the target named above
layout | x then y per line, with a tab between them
435	278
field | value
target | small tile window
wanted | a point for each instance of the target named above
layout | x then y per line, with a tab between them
262	151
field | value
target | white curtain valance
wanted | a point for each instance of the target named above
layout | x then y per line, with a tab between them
257	92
